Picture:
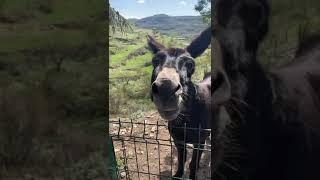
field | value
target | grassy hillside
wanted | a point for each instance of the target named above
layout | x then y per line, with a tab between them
130	71
52	98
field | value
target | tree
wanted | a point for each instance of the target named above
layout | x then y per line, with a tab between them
118	21
204	8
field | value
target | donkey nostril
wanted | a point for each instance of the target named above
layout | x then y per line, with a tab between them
178	88
154	88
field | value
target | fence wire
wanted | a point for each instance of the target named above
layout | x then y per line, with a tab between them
145	150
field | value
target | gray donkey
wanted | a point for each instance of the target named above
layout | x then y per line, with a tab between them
179	100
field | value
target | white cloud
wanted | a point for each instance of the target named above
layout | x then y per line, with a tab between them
183	3
140	1
130	17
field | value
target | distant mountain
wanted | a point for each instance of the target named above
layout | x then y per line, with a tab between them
184	26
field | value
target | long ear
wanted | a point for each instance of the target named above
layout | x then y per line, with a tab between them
200	43
154	45
255	15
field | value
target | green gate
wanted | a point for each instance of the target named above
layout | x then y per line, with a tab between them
111	161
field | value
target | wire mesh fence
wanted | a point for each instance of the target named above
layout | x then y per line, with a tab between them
143	149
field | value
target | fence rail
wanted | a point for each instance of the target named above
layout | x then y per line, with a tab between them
145	150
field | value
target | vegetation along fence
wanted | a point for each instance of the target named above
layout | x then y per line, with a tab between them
145	150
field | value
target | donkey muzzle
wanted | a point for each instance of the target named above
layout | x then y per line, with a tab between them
165	88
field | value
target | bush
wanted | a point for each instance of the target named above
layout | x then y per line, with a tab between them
24	116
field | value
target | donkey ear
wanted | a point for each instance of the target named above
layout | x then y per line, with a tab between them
154	45
255	14
200	43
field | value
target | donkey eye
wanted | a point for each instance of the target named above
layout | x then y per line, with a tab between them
189	65
217	81
158	59
156	62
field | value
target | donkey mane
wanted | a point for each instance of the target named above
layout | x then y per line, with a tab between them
175	51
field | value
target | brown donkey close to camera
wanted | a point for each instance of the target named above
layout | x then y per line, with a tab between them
179	100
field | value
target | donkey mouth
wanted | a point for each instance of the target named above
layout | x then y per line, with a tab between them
170	114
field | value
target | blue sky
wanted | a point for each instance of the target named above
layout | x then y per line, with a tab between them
144	8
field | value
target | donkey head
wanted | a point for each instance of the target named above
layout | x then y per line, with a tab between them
238	28
172	71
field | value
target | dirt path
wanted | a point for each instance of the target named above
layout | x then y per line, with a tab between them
151	152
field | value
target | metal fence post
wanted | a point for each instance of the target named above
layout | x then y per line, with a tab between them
111	161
